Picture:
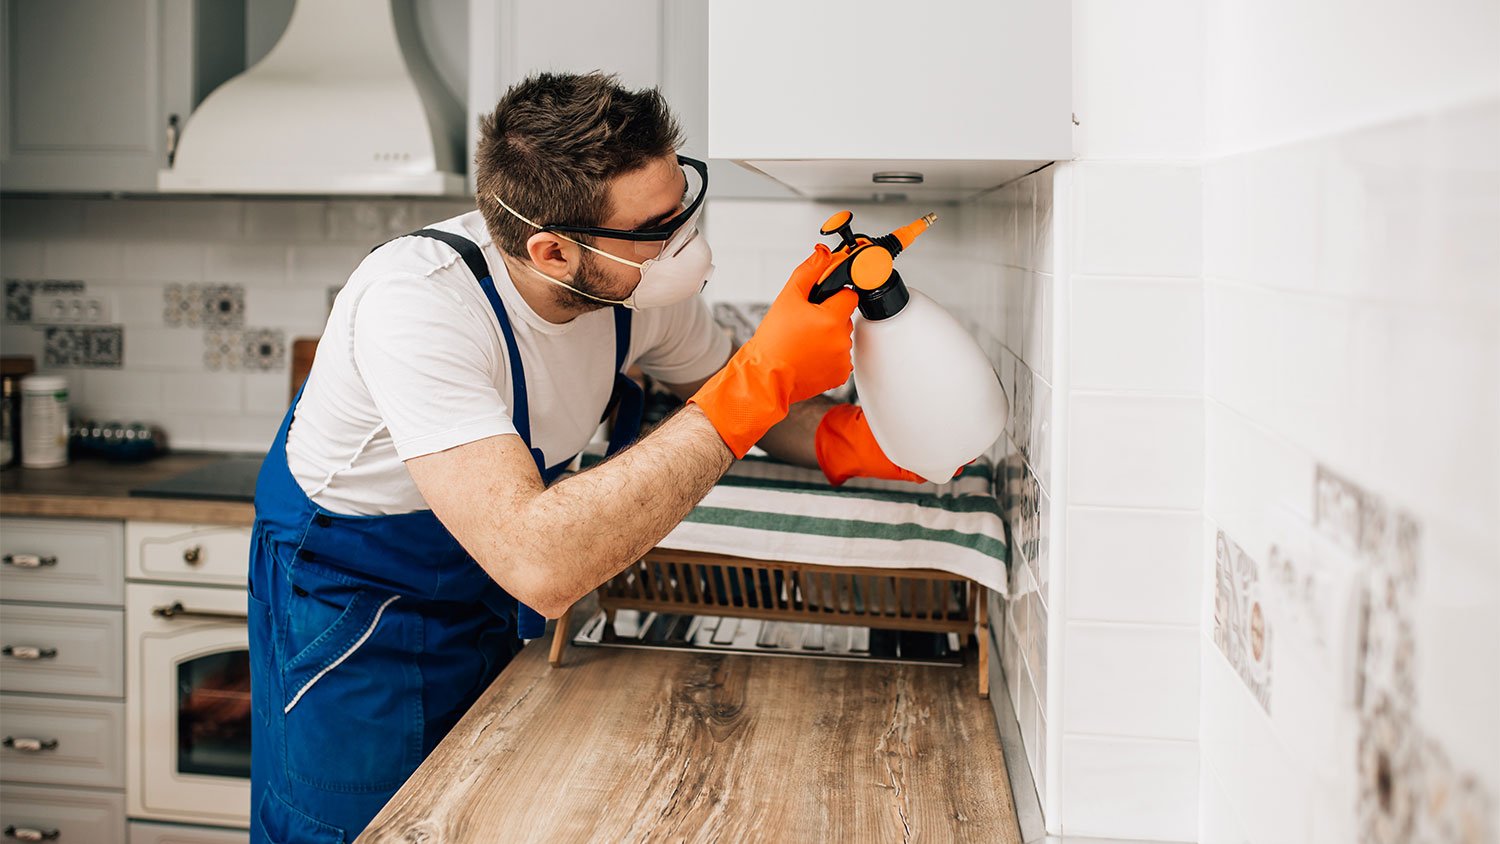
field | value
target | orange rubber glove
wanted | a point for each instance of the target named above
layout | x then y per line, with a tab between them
798	351
847	449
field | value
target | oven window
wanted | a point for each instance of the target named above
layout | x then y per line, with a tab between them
213	715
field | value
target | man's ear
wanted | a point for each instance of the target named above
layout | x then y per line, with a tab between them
551	253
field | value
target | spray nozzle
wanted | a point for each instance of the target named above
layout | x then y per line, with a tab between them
866	265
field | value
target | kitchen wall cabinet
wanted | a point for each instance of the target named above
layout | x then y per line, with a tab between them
649	43
88	88
968	93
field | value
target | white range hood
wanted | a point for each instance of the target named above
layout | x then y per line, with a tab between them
345	103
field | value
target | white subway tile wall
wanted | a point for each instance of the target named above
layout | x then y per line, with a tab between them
281	257
1353	322
1352	379
1004	290
254	272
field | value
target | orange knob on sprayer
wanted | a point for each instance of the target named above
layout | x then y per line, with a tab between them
931	396
866	265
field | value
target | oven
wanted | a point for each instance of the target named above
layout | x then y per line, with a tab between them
187	674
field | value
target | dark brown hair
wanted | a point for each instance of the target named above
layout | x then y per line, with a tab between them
553	143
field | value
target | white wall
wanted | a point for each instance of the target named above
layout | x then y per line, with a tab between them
279	258
1351	202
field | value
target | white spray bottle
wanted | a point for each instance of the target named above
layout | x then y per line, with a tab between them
930	395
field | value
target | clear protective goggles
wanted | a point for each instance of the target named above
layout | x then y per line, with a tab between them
674	234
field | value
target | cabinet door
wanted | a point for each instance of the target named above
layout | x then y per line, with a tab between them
954	80
63	741
81	95
649	43
160	833
62	650
61	814
66	561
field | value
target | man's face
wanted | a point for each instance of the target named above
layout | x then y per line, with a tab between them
641	198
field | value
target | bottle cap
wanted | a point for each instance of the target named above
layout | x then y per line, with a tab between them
43	384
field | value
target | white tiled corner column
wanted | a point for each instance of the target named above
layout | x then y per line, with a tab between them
1128	408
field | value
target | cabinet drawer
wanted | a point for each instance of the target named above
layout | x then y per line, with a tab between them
187	553
76	817
77	651
63	742
160	833
62	560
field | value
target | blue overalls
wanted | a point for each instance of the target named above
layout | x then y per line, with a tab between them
371	635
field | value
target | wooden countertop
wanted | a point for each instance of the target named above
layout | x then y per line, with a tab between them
99	489
631	745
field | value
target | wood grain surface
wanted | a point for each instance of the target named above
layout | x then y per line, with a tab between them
622	745
99	489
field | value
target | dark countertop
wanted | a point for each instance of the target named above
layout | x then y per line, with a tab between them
630	745
91	488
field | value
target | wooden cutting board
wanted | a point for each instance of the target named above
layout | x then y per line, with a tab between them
303	350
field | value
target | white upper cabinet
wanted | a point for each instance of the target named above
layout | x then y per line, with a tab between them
88	87
648	43
966	94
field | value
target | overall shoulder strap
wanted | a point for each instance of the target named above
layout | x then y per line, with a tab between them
622	336
467	249
473	256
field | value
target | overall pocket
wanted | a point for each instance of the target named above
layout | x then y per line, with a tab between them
351	686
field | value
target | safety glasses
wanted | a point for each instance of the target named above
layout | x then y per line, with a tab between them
695	175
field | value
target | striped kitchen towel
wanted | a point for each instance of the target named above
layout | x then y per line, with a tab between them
768	510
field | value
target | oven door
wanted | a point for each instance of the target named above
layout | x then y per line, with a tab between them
187	704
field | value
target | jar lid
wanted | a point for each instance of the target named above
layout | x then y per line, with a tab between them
44	383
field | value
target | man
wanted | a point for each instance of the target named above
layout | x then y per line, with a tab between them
406	513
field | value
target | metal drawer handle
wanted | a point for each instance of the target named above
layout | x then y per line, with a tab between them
26	833
30	745
192	556
29	561
177	610
28	652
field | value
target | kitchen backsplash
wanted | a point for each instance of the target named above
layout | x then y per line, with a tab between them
202	298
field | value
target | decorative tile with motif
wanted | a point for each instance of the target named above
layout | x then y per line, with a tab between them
244	350
84	346
1241	627
19	294
207	305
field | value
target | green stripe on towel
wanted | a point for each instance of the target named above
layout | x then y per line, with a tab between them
969	503
845	528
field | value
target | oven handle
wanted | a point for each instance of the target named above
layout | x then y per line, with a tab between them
177	610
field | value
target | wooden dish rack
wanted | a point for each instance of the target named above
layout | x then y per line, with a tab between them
689	582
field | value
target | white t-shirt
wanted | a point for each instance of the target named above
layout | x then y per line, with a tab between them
413	362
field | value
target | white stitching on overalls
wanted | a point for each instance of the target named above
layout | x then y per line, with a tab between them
343	656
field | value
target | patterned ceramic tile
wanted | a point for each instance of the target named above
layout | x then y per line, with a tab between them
207	305
740	318
85	346
1021	410
1241	627
1408	790
19	294
1452	806
244	350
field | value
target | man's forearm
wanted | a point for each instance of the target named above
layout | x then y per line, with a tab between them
792	439
586	528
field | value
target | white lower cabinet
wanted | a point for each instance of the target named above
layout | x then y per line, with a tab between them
64	815
162	833
65	767
62	672
63	742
